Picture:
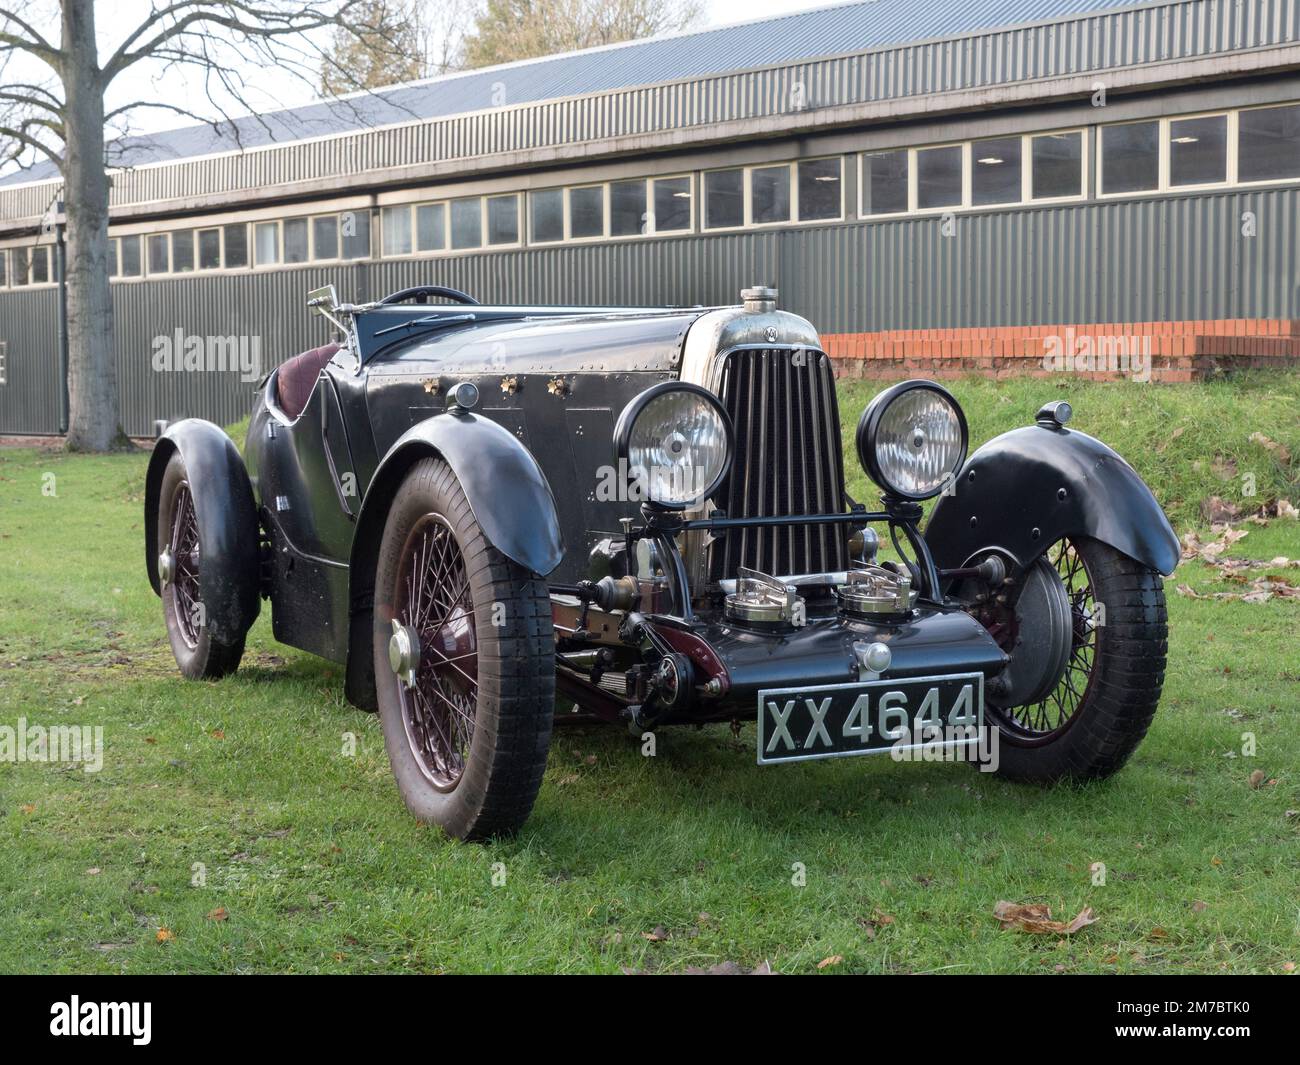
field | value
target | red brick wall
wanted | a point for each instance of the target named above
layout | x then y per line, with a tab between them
1162	351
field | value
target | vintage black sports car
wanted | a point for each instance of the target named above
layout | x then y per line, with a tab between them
481	510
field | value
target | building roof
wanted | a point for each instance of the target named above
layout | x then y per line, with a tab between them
835	30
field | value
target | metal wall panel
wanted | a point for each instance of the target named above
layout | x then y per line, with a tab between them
1091	43
1153	259
29	328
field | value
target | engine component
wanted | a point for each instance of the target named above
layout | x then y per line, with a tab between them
875	591
764	600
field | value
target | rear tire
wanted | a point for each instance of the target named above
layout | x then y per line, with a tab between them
1094	720
468	739
198	653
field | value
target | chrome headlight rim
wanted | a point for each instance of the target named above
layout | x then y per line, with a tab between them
869	424
636	407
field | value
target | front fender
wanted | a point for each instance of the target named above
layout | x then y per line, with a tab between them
1028	488
506	489
507	492
227	516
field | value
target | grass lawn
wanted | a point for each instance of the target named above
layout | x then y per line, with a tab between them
232	828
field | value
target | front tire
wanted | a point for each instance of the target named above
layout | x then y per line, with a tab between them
198	652
1091	722
464	663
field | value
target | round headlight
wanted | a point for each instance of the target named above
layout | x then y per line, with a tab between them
912	439
676	440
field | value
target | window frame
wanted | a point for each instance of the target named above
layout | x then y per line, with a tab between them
967	177
1163	185
1234	148
791	167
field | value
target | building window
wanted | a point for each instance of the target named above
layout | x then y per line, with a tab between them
466	223
503	219
129	255
209	249
234	241
627	209
4	344
995	172
22	262
325	237
266	243
724	199
159	245
1057	165
769	191
546	216
1198	150
1268	143
587	212
183	251
295	240
672	204
431	227
395	231
939	177
884	182
355	229
4	263
821	190
1130	157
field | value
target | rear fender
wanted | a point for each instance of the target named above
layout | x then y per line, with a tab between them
230	567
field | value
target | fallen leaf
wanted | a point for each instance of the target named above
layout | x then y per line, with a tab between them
1110	959
1198	906
164	935
28	808
1288	966
1037	918
1257	778
659	935
1157	933
150	739
1216	861
1217	509
218	734
1280	451
94	870
834	959
219	914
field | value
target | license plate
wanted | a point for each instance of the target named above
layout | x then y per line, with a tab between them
839	720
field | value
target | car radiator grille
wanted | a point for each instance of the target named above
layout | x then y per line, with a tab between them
788	461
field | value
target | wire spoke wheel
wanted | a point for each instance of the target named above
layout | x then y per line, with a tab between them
432	600
1056	711
187	605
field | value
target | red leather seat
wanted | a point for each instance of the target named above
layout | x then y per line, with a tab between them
297	377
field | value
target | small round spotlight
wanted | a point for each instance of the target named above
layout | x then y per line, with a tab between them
912	439
676	440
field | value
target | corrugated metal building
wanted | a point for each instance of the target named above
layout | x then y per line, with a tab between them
963	164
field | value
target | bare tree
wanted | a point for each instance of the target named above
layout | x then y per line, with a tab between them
59	115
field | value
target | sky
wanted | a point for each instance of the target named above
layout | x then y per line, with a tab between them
267	89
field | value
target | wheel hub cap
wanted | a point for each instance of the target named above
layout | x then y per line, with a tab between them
404	653
166	567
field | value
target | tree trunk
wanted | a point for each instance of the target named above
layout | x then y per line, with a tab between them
94	422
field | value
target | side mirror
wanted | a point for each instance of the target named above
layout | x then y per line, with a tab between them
323	301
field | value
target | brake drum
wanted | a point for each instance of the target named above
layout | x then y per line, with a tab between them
1044	637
